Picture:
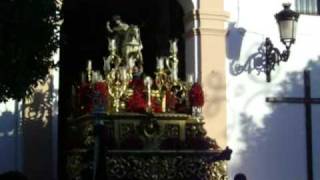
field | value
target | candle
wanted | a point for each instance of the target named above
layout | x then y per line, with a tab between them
131	63
190	78
148	83
89	67
160	64
100	78
106	65
94	76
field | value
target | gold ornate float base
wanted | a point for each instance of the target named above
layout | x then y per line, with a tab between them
151	165
143	147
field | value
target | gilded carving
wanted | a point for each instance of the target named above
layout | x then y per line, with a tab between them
158	167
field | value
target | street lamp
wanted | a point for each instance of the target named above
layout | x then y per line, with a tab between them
287	21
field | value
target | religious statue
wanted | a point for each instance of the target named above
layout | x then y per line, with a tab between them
132	48
118	29
128	44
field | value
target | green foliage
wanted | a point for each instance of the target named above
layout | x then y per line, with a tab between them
28	39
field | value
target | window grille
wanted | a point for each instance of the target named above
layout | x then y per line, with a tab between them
310	7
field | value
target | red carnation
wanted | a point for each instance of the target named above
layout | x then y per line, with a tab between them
136	102
196	95
137	84
101	87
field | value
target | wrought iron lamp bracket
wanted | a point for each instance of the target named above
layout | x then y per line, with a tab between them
273	56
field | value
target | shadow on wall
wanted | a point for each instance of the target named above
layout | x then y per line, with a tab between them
9	140
38	132
276	150
214	93
256	61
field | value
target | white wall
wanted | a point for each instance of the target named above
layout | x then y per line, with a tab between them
269	139
10	136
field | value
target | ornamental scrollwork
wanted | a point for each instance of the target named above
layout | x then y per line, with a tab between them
172	130
88	135
157	167
74	166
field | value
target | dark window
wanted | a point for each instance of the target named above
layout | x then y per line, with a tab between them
310	7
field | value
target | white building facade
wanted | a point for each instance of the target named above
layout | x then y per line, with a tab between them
269	140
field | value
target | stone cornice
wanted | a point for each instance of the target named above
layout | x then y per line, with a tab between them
205	31
202	15
212	32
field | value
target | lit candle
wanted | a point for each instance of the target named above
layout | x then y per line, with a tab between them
89	67
160	64
94	76
148	83
89	71
190	78
106	65
131	63
100	78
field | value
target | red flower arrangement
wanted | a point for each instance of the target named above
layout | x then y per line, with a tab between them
91	95
100	94
101	87
136	102
85	98
137	84
196	95
156	105
171	101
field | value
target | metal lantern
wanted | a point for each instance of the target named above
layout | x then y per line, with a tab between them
287	20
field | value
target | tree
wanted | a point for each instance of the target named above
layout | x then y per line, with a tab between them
28	40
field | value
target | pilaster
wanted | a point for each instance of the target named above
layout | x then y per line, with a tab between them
205	28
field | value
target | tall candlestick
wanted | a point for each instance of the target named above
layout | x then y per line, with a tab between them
148	83
89	70
123	75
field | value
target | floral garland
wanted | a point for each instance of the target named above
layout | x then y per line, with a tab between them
95	95
137	102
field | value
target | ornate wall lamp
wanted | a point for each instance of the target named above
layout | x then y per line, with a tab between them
287	20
